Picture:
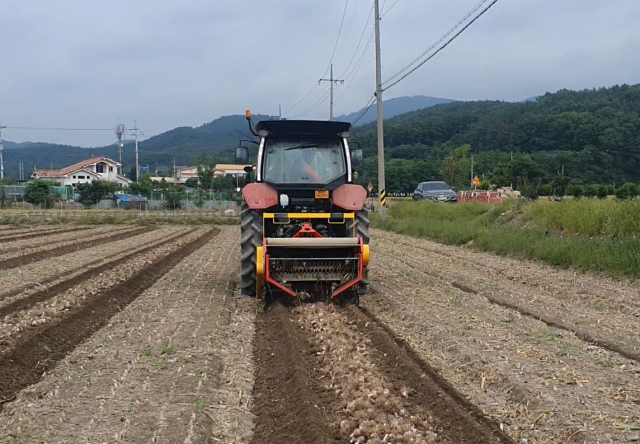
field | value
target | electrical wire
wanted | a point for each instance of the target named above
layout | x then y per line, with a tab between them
335	47
447	34
364	30
367	107
56	129
356	68
353	16
390	8
316	104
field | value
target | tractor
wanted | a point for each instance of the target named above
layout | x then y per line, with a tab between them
304	225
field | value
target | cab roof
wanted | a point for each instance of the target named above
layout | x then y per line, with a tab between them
309	129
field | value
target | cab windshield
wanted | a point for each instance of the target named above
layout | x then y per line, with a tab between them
303	161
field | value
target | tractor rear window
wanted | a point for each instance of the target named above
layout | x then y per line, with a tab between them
300	161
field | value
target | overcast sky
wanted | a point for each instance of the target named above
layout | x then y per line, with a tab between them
168	63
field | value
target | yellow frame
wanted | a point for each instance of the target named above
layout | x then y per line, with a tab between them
307	215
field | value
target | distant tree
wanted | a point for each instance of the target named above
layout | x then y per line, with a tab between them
143	187
37	192
226	183
192	182
206	175
627	191
94	192
455	167
173	197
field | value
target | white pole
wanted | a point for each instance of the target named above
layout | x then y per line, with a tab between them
1	154
379	124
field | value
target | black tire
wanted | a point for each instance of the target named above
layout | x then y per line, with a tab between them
362	230
250	238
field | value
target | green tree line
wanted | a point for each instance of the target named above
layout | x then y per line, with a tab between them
589	137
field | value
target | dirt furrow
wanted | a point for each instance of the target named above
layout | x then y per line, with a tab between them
458	420
541	383
42	234
26	363
52	291
290	402
14	231
597	309
38	275
18	324
32	246
174	366
68	248
326	374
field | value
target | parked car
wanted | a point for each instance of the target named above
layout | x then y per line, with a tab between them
435	191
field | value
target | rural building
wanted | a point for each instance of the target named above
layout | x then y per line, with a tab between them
86	171
182	174
223	169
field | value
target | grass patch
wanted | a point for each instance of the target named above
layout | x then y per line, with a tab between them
146	352
605	233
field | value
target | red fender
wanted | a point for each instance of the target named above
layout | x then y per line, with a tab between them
350	197
259	196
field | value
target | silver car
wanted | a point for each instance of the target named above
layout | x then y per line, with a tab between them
435	191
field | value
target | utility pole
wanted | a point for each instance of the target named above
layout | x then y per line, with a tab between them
380	132
119	134
279	112
135	136
471	170
1	153
332	82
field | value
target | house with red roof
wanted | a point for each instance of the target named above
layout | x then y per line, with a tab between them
86	171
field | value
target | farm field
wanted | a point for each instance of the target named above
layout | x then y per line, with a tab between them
136	333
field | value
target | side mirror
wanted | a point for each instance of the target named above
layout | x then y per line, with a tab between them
242	155
356	158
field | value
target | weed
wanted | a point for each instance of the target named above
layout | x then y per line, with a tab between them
511	318
146	352
167	349
542	336
200	404
606	363
160	365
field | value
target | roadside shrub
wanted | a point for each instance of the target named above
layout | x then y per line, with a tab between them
37	192
575	189
601	191
627	191
546	190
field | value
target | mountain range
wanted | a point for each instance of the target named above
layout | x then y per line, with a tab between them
183	144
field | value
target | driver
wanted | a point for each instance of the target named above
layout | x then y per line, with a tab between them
303	166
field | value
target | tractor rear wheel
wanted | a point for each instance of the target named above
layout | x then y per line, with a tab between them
362	230
250	239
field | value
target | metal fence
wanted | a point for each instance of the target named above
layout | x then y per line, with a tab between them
16	193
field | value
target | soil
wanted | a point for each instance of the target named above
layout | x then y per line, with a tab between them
540	383
19	261
172	366
141	336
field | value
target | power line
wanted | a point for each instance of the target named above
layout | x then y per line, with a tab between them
353	16
366	108
56	129
356	67
449	32
390	8
335	47
364	30
317	103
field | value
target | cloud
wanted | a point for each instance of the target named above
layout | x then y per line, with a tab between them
73	63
